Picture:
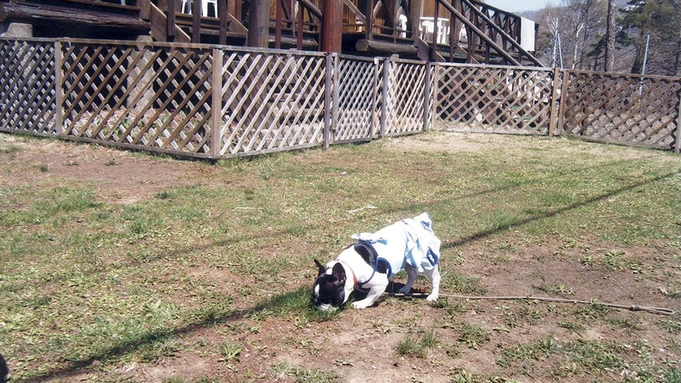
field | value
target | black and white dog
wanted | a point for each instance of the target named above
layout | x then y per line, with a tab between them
375	258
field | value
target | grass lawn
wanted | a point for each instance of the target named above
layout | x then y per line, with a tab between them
125	267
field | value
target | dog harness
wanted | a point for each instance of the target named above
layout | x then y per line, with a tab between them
410	241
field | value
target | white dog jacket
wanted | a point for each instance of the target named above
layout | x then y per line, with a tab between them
409	241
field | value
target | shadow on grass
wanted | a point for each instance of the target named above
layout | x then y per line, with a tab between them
293	302
555	212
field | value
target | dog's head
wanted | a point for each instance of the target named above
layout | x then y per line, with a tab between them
328	290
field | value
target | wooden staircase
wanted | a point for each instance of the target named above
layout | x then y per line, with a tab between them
167	24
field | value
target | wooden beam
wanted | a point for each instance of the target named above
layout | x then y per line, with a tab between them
353	8
44	13
383	47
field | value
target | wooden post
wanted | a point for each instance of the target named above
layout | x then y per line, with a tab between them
299	29
259	24
332	26
564	86
553	118
436	89
170	25
238	10
374	99
436	19
328	99
145	9
335	102
216	106
59	87
415	13
426	97
279	20
369	16
223	14
196	21
385	97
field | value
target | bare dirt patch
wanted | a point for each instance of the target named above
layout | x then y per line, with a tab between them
119	176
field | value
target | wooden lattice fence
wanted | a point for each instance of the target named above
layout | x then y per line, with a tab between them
131	96
359	97
272	102
625	109
28	87
405	97
216	102
495	99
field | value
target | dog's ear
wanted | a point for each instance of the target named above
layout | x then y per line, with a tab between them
339	273
321	267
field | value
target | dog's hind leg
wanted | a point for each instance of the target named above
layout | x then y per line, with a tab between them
378	286
412	274
434	275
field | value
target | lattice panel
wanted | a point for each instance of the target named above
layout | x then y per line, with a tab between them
27	86
359	93
156	98
490	99
406	97
271	102
623	108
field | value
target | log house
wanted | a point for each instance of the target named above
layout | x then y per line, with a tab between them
434	30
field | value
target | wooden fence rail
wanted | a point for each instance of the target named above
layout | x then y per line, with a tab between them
217	102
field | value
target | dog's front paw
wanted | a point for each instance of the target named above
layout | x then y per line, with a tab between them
432	297
360	305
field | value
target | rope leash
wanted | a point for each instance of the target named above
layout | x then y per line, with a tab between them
650	309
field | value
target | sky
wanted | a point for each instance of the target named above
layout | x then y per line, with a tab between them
521	5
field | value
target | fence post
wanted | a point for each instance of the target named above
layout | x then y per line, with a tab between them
426	96
384	97
553	118
59	91
374	96
335	104
216	106
329	101
436	90
564	86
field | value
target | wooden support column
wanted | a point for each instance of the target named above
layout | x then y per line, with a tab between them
170	22
259	23
278	24
332	26
145	9
369	24
197	7
415	14
223	14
